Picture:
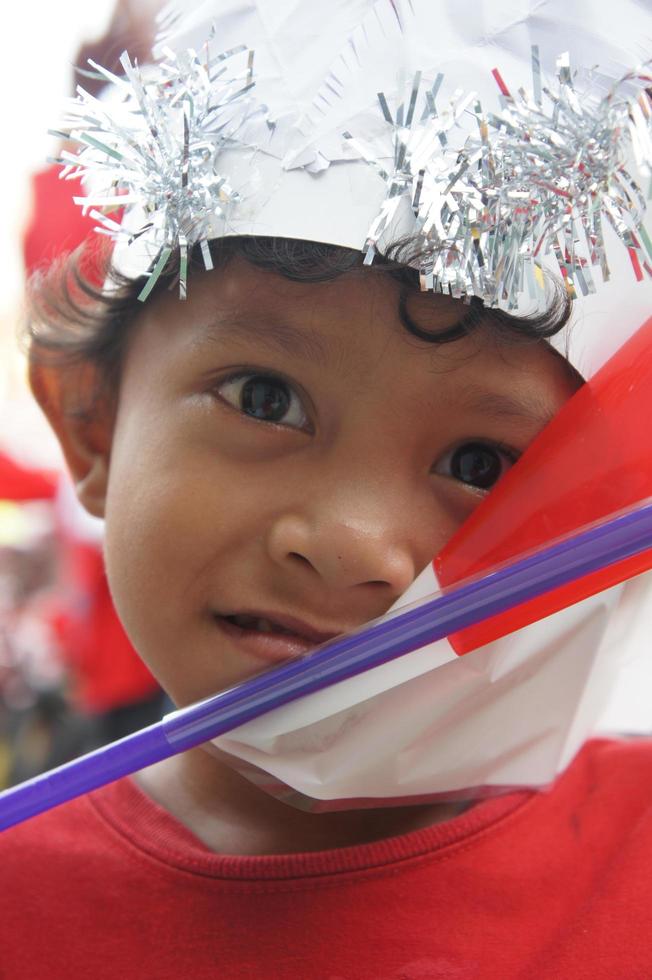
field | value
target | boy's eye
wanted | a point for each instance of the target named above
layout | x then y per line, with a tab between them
477	464
264	397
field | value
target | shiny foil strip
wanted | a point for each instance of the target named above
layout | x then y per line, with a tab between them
531	184
157	145
491	202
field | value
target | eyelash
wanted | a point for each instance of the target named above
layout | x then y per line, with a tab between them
504	452
274	382
290	401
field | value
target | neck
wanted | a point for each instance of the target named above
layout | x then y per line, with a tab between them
232	816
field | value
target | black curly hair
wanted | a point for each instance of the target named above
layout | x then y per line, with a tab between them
71	320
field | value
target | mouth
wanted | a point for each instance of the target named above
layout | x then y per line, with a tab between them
269	637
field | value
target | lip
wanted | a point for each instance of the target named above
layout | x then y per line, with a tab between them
272	647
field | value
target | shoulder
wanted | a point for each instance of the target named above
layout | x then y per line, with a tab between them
607	814
65	832
66	844
606	794
617	765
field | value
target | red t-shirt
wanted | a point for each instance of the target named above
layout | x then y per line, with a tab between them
554	885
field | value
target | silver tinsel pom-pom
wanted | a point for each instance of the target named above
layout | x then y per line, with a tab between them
493	200
158	147
537	179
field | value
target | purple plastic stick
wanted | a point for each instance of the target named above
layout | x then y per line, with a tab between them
603	543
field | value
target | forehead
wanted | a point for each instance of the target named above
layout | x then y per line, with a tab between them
354	321
365	296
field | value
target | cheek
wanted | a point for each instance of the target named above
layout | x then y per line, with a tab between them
173	524
455	502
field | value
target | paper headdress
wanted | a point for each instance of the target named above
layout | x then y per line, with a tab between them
383	121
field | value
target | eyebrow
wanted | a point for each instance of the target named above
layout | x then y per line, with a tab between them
498	406
274	334
277	335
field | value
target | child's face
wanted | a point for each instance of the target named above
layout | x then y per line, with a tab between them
288	453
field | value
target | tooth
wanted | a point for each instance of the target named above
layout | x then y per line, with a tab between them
257	623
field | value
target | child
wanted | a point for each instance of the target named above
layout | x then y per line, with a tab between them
276	457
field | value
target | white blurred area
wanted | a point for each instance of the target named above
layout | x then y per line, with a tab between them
37	48
38	45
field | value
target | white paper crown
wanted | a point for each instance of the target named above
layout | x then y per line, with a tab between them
375	123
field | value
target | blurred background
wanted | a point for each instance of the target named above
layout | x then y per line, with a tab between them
69	679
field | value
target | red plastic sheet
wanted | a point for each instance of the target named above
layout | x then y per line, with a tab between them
594	458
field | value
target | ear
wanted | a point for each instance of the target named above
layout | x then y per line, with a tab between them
83	423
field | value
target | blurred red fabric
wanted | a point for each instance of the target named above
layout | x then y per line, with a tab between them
58	226
21	483
107	671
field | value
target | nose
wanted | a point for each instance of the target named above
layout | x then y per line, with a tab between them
352	534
